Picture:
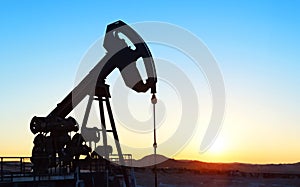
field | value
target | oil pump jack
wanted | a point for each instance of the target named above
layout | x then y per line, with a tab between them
53	143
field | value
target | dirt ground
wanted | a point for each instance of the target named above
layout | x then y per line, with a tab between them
145	178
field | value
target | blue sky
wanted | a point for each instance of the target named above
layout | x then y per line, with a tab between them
256	44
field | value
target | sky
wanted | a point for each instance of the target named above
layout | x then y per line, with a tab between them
255	43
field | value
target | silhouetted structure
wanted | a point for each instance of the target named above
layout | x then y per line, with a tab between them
53	145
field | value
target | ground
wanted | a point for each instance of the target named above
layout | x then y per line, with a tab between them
181	178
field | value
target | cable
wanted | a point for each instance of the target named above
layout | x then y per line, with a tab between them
154	101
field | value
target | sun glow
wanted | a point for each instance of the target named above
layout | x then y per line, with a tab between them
218	146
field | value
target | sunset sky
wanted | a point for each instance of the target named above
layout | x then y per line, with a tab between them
255	43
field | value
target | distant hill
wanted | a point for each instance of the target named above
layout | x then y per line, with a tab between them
149	160
167	163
